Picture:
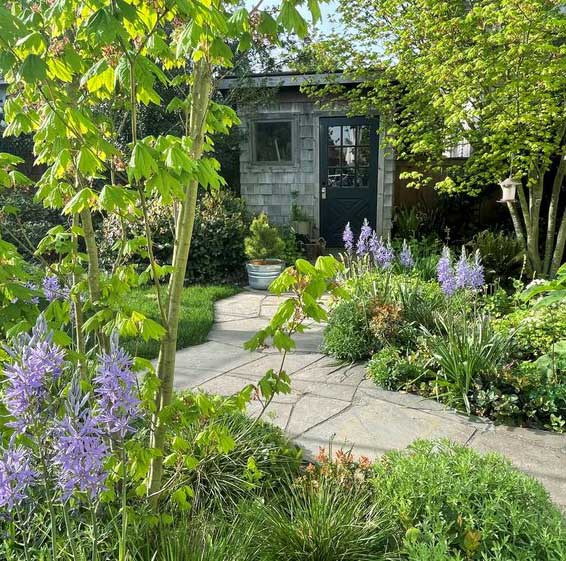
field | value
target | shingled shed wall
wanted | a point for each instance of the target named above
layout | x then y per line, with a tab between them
268	187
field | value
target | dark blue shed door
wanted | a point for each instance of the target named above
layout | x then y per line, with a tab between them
348	175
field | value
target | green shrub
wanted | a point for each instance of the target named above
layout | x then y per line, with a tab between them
217	245
25	222
538	329
392	370
348	335
453	503
502	254
264	241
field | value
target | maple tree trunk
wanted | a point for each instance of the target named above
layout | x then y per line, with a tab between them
200	97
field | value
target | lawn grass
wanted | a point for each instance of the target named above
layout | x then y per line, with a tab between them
197	316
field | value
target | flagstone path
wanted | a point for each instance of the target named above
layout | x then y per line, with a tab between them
333	403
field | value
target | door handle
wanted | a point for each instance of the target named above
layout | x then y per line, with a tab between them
323	191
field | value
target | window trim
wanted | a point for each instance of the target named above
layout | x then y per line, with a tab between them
274	118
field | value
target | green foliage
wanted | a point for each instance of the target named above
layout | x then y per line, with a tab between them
259	463
264	241
392	370
348	335
502	255
25	222
326	522
217	245
538	329
467	351
453	503
197	316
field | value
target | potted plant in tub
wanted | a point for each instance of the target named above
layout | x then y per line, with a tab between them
263	247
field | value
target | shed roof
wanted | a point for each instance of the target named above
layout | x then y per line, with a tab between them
286	80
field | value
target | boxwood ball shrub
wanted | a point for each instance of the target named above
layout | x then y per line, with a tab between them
453	503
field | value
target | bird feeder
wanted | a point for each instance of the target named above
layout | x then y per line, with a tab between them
508	190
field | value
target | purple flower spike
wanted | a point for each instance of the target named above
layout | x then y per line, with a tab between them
53	290
477	279
37	363
463	271
80	455
366	233
116	391
348	239
16	475
445	273
406	256
383	255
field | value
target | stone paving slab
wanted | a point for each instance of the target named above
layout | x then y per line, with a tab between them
332	403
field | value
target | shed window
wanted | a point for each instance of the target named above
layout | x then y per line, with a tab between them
273	141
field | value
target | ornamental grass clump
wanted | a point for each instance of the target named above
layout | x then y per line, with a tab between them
67	429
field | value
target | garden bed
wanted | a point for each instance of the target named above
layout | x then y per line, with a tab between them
432	325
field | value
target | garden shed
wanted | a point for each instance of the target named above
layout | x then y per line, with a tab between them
334	167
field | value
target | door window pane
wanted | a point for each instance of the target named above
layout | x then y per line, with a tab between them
349	177
334	136
349	157
334	177
334	158
273	141
362	156
348	135
362	136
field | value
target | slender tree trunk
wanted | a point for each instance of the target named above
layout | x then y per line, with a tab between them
200	96
518	225
559	247
93	274
552	216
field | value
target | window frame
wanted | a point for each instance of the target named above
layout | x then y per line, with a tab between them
274	118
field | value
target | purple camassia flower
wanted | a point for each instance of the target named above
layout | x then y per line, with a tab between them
383	254
445	273
406	256
366	232
16	475
37	363
116	391
477	279
53	290
463	271
80	453
348	238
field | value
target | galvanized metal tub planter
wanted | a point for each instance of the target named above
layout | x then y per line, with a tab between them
262	272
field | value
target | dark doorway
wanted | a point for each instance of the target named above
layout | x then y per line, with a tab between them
348	175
